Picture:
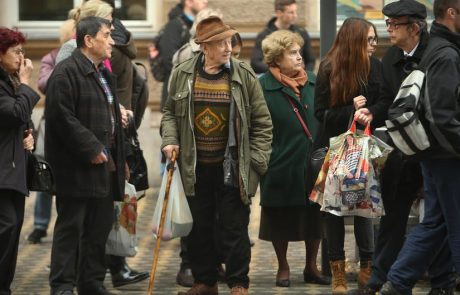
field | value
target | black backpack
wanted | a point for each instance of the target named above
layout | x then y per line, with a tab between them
156	58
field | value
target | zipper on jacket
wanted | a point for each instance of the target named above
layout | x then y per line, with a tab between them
190	119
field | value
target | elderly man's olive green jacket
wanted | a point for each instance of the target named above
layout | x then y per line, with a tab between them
254	125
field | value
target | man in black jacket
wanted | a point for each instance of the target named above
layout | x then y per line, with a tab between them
437	238
175	35
286	16
402	179
84	145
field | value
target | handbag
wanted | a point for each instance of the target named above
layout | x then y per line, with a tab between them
136	161
39	175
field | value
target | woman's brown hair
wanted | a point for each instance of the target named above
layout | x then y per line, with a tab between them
348	61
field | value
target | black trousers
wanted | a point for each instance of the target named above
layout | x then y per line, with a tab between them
78	252
11	219
335	233
213	197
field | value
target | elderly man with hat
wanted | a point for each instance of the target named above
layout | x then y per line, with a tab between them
402	179
217	121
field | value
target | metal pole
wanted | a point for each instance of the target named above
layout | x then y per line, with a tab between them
328	25
328	29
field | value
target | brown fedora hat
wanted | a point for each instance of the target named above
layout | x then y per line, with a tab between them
212	29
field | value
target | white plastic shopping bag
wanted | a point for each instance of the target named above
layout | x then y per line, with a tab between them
122	240
178	219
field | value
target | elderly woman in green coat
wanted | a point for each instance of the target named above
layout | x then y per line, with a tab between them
287	214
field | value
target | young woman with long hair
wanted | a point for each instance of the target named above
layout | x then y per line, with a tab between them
347	86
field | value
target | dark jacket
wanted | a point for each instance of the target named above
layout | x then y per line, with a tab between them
78	128
173	39
441	117
396	67
123	53
15	111
285	183
402	176
257	58
176	33
338	116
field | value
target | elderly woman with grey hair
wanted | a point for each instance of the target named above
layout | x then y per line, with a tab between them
287	214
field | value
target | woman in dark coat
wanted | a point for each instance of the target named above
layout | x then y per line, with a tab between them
287	214
17	100
348	84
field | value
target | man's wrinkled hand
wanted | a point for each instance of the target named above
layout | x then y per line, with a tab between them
168	150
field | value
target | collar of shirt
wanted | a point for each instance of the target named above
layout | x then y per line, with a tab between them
412	52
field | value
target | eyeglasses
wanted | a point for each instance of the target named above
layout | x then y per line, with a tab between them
394	25
372	40
18	51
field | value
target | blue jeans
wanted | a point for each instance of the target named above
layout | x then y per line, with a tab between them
42	210
436	240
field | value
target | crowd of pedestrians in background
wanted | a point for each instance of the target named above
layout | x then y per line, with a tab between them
232	126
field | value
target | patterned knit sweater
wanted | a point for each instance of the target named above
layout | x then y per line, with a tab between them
211	96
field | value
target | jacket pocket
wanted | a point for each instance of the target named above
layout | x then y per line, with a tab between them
180	103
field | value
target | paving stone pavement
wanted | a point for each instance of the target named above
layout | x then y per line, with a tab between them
32	269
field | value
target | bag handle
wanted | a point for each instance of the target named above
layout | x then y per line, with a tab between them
299	117
367	130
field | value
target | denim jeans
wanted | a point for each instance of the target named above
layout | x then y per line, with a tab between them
42	211
436	240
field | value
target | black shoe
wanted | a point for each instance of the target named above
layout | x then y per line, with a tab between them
441	291
184	277
388	289
363	291
283	283
313	279
128	276
36	236
64	292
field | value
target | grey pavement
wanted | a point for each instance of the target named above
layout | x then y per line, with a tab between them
32	269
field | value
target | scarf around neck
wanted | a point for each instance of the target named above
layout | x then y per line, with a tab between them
295	83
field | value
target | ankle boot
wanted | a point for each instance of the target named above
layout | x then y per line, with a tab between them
339	282
365	271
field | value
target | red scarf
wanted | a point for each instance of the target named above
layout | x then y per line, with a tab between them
295	83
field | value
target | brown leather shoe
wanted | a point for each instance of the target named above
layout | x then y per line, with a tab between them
201	289
238	290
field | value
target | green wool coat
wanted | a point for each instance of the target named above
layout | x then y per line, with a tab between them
285	183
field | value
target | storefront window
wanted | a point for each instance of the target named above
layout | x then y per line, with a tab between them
370	9
57	10
44	10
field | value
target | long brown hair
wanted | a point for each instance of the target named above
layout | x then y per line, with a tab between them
348	61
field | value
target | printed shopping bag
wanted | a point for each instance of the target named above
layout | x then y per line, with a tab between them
122	240
351	185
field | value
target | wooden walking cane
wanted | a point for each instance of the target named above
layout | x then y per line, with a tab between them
162	223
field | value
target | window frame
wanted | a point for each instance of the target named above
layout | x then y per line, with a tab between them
45	29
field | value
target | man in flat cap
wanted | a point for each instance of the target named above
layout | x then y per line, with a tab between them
402	178
217	121
436	240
